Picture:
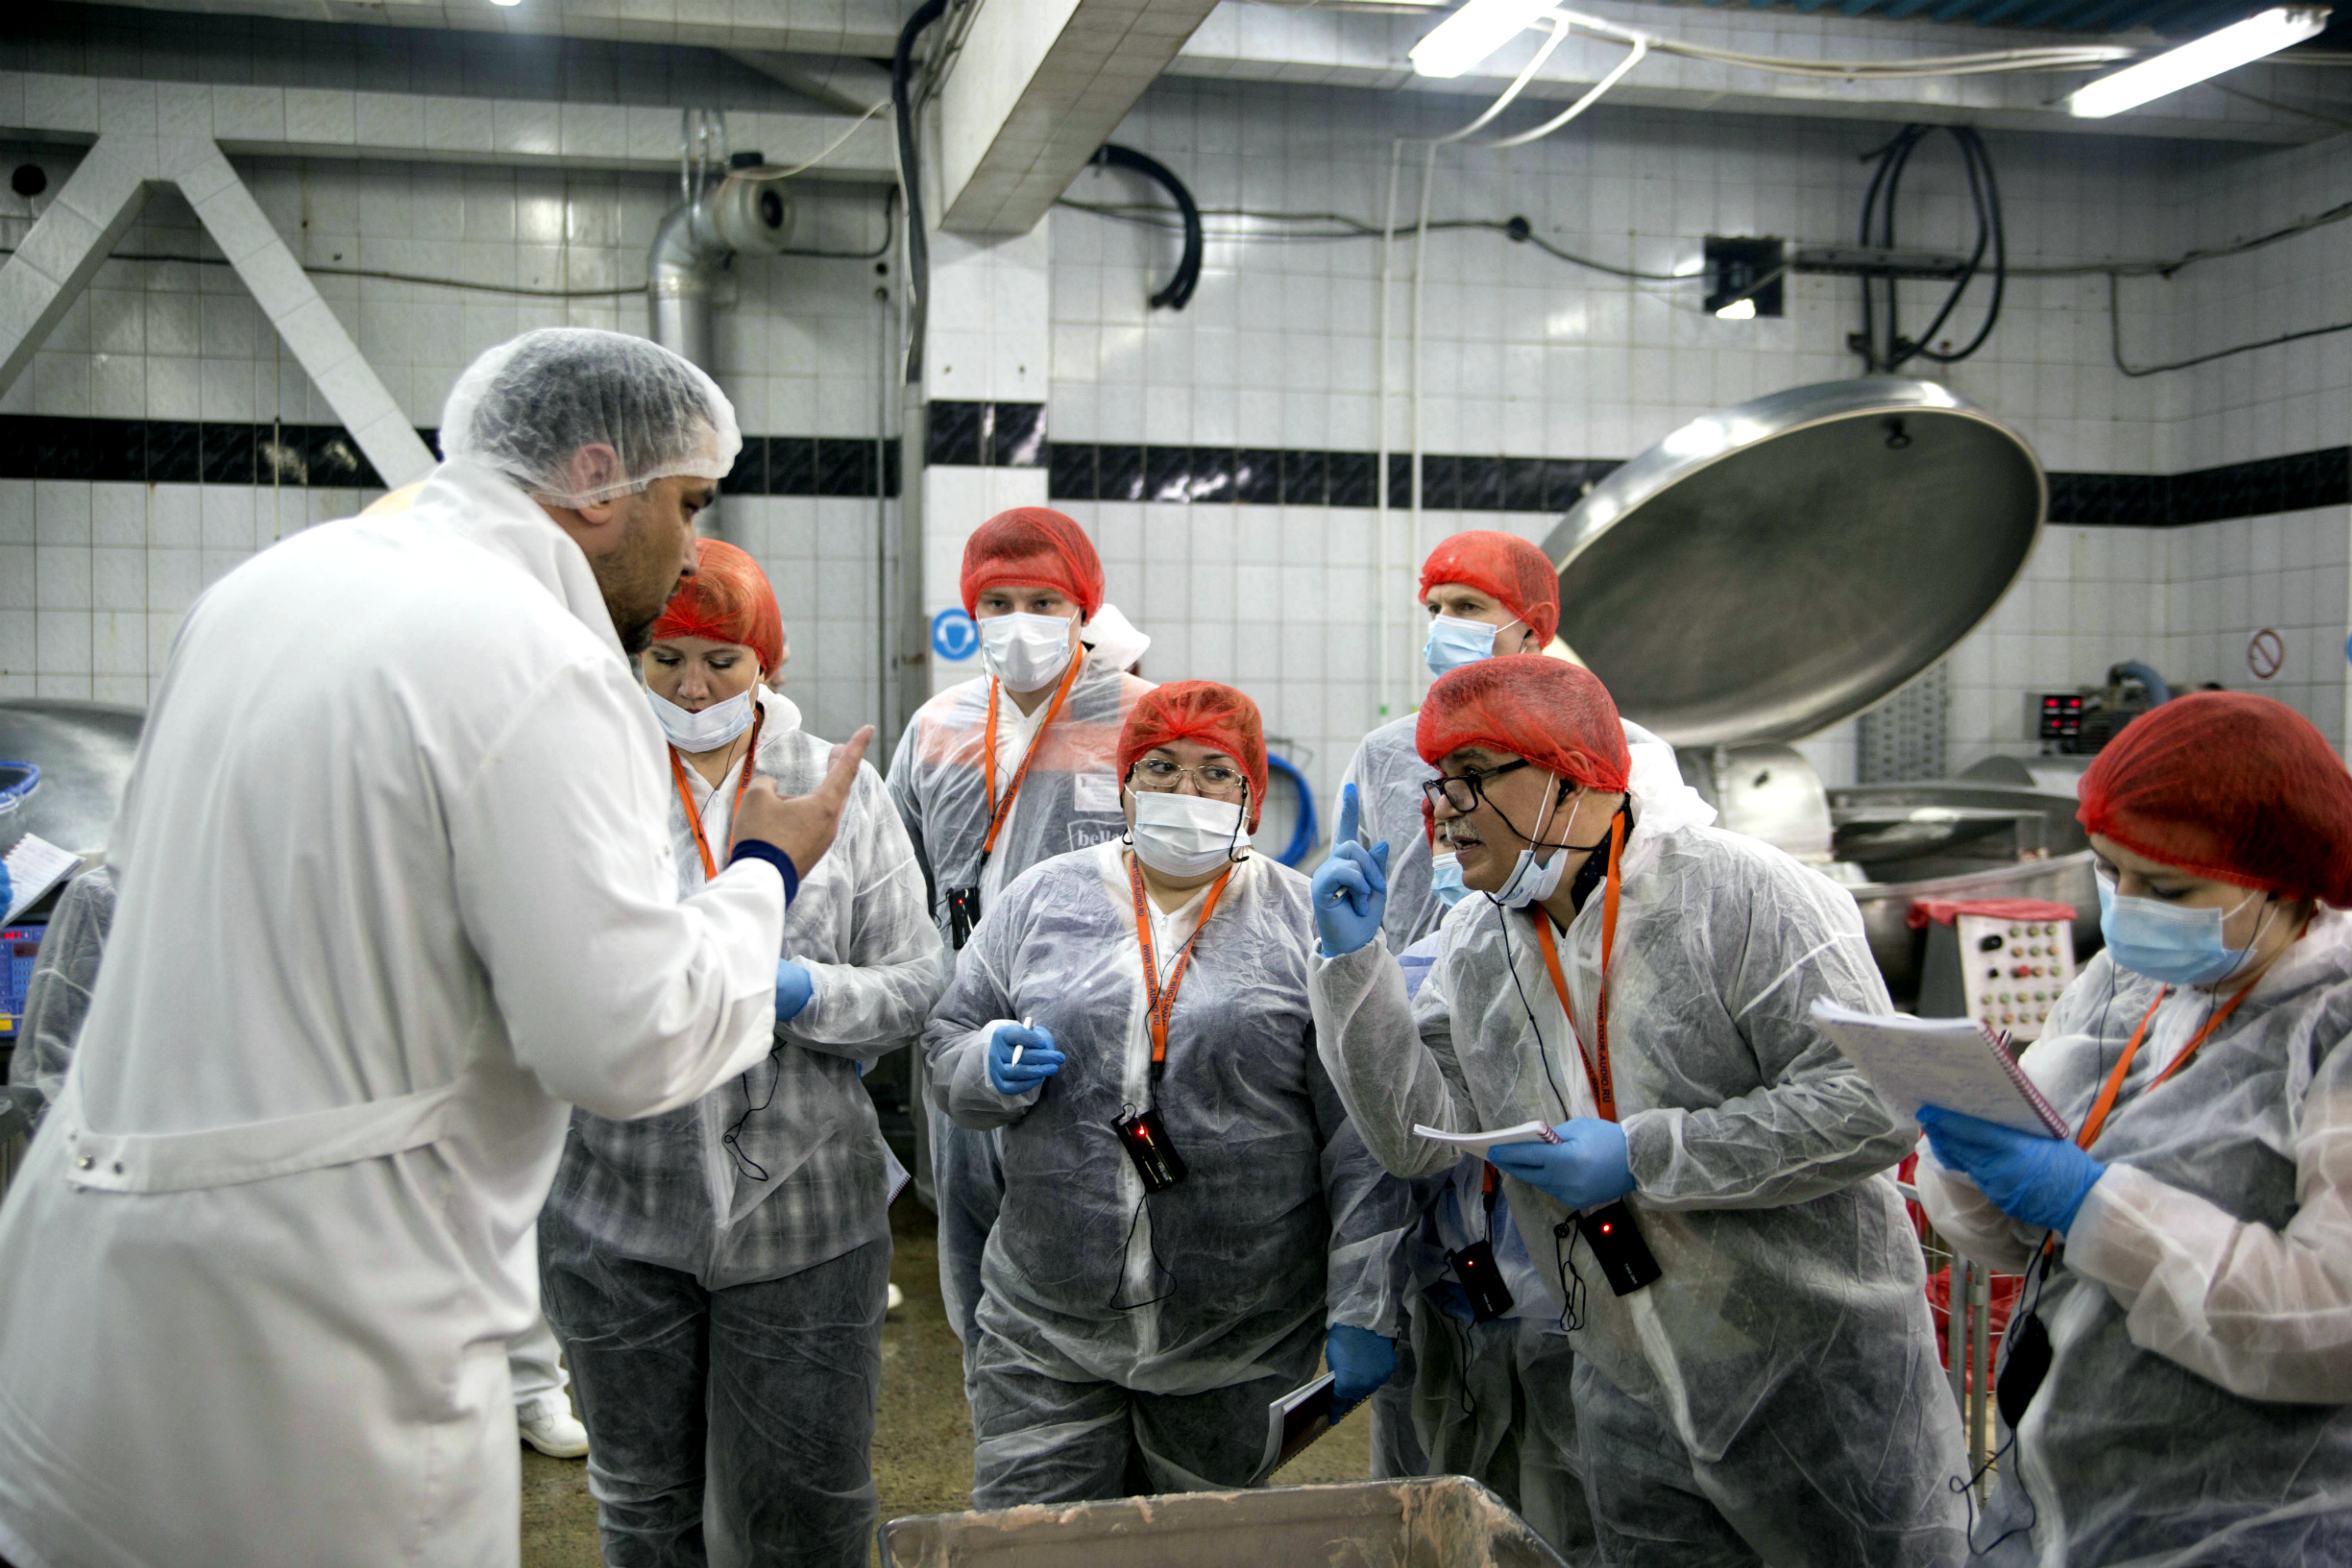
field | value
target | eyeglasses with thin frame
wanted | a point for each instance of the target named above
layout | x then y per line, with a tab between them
1216	780
1462	791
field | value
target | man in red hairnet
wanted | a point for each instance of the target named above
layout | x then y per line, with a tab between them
2182	1389
1188	1218
1471	1401
1004	770
1765	1388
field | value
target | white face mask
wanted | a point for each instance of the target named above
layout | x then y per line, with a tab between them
708	730
1186	835
1027	652
1529	882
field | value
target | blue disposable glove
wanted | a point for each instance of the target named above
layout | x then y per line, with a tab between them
1585	1169
2037	1180
1361	1362
794	986
1039	1060
7	891
1351	888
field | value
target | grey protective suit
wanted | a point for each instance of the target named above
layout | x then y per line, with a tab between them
57	1001
1132	1343
1776	1395
2197	1407
1069	800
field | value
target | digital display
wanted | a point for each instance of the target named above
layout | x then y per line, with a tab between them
18	945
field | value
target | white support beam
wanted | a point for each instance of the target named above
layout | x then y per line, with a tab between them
160	147
1035	89
326	122
57	259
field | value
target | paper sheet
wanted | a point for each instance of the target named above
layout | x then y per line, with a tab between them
1479	1143
1293	1423
1949	1062
34	866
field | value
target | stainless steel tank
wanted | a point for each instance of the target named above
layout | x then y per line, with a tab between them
84	751
1766	572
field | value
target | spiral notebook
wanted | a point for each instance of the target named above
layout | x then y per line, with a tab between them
1956	1063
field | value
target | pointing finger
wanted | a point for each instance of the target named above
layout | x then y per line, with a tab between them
1347	833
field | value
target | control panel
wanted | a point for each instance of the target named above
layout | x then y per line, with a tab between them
2011	971
19	944
2055	716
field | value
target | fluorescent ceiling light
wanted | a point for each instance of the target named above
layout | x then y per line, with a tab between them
1737	310
1473	33
2239	44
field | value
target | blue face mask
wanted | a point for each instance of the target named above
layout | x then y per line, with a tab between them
2179	946
1454	642
1445	879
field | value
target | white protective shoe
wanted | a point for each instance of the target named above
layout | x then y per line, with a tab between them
549	1425
896	1299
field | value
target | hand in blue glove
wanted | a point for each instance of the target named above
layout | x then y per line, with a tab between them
2037	1180
1039	1060
794	986
1351	888
1361	1362
1585	1169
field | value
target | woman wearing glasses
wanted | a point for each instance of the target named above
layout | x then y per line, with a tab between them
1188	1219
1755	1377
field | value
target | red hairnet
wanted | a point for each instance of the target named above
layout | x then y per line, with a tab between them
1216	716
2230	787
1033	544
1555	715
727	599
1505	566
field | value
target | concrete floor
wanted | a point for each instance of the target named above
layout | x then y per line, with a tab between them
922	1437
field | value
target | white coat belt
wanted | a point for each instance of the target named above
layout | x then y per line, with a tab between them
250	1152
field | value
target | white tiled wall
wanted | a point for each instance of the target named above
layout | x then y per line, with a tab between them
799	351
1523	355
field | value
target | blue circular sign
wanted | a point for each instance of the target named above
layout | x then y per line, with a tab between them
954	635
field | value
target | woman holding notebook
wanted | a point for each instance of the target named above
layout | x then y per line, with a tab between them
2178	1385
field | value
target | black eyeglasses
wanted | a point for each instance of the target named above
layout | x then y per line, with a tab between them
1464	792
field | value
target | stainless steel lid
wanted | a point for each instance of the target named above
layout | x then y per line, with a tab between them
84	752
1764	572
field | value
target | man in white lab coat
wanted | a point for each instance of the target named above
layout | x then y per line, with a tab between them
395	887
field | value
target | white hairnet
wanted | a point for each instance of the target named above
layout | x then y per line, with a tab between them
525	407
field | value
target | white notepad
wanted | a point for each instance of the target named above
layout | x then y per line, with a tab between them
34	866
1479	1143
1956	1064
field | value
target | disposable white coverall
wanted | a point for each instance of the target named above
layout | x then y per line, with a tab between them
1069	800
2197	1407
1133	1344
1777	1392
396	884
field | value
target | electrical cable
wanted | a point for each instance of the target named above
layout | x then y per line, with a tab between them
2115	338
1179	291
523	290
1516	229
910	186
1878	206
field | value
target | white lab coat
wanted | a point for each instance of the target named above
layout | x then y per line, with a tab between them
394	867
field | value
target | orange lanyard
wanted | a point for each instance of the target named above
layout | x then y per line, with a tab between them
998	812
1161	1000
1604	1087
2106	1100
685	795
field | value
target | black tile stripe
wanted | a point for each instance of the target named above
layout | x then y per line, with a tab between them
216	452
